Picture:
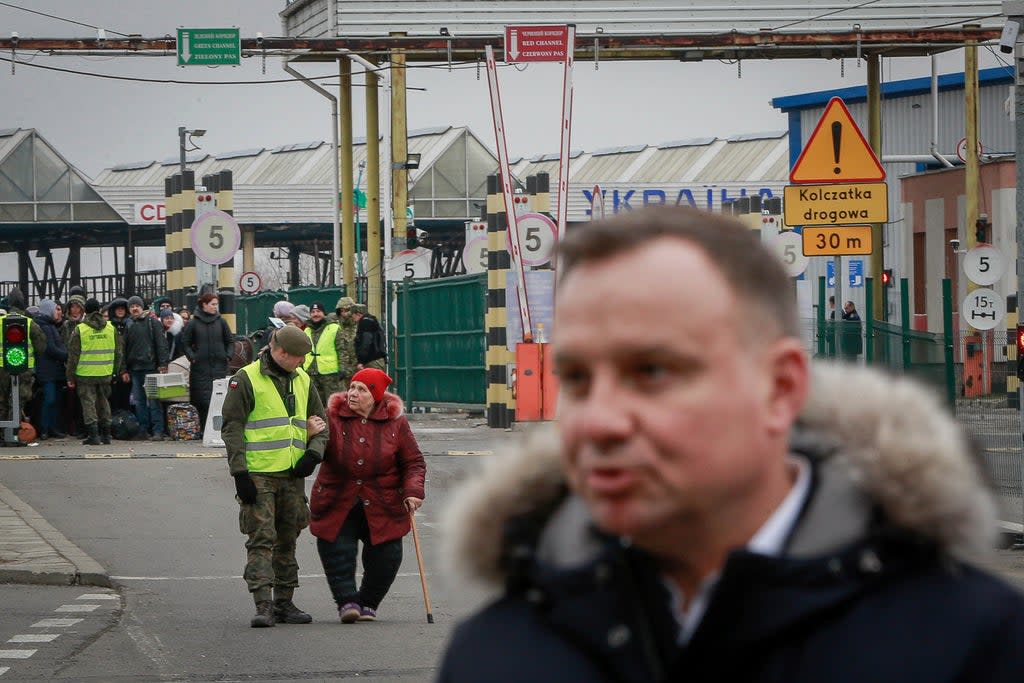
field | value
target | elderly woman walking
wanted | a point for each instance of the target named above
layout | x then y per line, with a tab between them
371	479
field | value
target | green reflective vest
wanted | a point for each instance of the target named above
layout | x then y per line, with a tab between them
274	442
324	352
28	342
98	346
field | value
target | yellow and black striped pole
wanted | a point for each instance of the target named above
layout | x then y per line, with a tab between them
501	407
170	224
221	186
181	201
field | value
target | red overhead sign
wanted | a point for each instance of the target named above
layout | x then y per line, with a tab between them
536	43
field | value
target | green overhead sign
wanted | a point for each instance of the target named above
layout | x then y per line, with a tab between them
209	47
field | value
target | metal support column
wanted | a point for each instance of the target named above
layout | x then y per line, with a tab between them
879	305
347	275
373	198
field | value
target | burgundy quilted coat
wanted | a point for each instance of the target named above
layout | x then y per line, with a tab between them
375	459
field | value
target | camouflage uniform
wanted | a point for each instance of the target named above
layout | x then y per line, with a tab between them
346	340
280	512
345	348
93	392
26	380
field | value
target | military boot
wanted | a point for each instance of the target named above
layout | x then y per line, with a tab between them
93	438
264	614
105	432
285	612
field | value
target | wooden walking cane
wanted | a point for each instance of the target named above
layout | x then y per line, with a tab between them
423	574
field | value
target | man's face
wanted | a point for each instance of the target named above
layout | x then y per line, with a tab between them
286	360
848	307
165	305
316	315
344	313
665	416
168	321
135	310
76	311
58	314
119	312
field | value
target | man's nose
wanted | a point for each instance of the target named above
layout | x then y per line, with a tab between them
605	415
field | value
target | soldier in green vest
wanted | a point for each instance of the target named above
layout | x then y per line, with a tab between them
329	348
37	345
94	354
275	432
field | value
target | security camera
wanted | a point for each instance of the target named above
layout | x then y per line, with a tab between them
14	37
1009	36
954	244
259	37
101	36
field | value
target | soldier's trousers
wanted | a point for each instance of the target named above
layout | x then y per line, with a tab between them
25	381
327	385
95	399
272	524
379	363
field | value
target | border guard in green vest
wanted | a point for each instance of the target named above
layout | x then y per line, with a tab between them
275	432
94	355
331	362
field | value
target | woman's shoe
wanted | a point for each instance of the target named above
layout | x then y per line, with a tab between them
349	613
367	614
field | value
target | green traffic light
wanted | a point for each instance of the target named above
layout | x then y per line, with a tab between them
15	358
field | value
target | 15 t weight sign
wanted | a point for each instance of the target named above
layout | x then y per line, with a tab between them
215	237
983	309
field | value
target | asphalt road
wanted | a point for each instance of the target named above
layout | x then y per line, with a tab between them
166	530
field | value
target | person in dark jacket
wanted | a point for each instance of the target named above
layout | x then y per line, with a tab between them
371	480
50	371
371	351
173	326
145	353
121	391
74	313
208	344
850	343
709	507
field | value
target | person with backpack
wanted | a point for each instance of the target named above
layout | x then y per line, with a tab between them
371	348
145	352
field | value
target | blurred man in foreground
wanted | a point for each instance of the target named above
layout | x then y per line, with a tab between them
711	508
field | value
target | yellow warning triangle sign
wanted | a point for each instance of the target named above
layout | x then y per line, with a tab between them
836	151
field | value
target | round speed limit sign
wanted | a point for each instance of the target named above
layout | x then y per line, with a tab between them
984	265
215	237
537	235
250	283
789	246
474	255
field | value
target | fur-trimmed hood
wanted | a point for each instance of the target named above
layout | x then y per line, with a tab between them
882	440
389	407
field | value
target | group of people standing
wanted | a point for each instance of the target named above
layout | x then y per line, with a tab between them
89	360
277	431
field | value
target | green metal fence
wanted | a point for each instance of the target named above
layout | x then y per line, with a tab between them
437	352
252	310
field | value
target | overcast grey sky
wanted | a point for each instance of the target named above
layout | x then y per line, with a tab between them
96	123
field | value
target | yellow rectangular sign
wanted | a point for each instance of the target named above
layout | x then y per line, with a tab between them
851	240
841	204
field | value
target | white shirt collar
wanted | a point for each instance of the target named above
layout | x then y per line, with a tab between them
769	540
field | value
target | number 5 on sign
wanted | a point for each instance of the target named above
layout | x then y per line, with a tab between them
474	255
789	246
537	235
215	237
411	263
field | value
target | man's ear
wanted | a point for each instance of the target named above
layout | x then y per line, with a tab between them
790	383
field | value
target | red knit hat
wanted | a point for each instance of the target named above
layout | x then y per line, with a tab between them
375	380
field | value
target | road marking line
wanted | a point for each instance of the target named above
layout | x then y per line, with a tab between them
55	623
4	669
34	638
200	455
97	596
76	608
20	457
106	456
16	654
469	453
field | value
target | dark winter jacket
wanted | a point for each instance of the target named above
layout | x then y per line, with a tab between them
207	344
874	584
145	344
370	344
50	363
120	323
374	459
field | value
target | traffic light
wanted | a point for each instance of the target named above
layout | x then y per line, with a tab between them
1020	352
411	241
887	279
15	344
981	228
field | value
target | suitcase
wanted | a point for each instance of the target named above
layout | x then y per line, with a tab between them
183	422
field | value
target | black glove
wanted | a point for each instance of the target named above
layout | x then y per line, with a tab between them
245	488
306	464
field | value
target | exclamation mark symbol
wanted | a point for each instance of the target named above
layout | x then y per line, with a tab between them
837	143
